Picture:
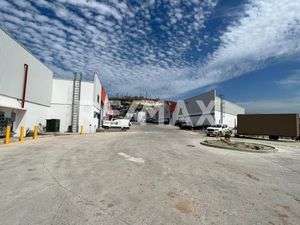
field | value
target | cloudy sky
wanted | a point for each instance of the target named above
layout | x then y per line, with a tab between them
249	50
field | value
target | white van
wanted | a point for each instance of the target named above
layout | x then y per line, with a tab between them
124	124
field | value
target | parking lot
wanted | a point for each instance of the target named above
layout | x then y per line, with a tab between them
148	175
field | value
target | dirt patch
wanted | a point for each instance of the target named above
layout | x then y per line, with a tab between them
109	205
184	206
172	194
240	146
181	205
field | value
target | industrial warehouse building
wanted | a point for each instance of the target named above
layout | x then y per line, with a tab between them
29	95
87	109
25	86
208	109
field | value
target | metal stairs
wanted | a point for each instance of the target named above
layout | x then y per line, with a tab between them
76	102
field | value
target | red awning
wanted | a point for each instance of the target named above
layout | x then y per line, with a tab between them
103	95
172	107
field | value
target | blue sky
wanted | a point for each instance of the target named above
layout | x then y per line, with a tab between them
248	50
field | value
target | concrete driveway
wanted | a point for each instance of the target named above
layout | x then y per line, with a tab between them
148	175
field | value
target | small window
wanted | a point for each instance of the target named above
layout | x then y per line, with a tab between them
98	99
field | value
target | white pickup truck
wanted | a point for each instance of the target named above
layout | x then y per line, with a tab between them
218	130
124	124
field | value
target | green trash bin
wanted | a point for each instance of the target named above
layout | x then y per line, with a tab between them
52	125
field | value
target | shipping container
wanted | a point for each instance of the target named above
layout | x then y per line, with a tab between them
272	125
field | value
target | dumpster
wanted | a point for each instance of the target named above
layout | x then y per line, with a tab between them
52	125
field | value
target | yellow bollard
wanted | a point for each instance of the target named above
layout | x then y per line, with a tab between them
35	132
7	135
81	129
21	134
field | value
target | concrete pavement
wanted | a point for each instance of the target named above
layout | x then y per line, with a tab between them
148	175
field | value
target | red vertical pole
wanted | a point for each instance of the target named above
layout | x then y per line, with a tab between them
24	84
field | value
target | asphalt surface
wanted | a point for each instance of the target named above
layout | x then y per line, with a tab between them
148	175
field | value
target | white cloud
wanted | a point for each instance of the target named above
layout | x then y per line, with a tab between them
118	40
268	30
291	80
291	105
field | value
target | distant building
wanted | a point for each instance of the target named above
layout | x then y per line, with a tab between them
116	104
160	113
208	109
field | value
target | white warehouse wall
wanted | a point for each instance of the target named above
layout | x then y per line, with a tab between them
39	84
207	98
229	119
229	107
35	115
88	103
62	91
61	106
12	105
194	112
13	57
32	115
46	98
230	113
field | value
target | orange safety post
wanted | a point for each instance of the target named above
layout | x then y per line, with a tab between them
35	132
21	134
7	135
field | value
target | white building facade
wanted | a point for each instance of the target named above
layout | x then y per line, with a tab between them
25	86
29	95
208	109
91	111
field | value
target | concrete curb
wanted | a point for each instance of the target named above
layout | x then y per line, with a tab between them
111	131
15	140
272	150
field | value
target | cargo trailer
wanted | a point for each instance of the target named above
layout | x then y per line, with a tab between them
272	125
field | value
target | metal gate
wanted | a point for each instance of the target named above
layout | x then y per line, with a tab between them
4	122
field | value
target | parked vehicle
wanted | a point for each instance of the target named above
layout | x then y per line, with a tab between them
272	125
218	130
177	123
124	124
155	121
166	120
149	120
185	124
163	120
